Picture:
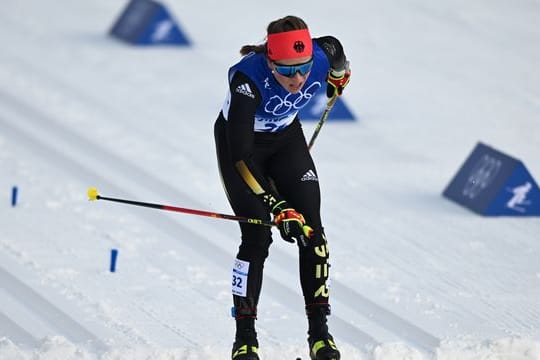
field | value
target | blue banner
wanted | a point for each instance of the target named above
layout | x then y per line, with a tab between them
314	109
492	183
147	22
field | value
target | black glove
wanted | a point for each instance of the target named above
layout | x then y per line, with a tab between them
292	225
337	80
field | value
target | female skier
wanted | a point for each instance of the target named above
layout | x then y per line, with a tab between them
266	168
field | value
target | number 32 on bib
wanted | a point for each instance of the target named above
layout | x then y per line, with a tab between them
239	277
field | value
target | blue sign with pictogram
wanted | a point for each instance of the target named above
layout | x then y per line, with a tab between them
314	109
492	183
148	22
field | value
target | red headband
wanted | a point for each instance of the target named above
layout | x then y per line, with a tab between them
289	45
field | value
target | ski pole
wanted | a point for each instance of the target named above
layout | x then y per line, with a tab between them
324	115
94	195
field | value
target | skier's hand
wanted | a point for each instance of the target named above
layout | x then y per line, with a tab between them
337	80
292	225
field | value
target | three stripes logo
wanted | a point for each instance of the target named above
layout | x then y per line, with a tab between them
310	176
245	89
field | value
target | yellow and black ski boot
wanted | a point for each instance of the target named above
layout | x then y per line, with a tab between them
246	346
323	348
321	343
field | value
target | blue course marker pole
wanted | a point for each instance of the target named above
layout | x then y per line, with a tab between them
14	193
114	256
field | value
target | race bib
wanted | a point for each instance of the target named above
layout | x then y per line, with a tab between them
239	277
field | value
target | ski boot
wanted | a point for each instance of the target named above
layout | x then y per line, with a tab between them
321	343
246	346
323	348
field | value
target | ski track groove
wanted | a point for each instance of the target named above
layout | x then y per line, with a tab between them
46	135
152	315
46	311
17	333
74	292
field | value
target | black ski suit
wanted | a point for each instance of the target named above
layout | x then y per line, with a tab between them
253	164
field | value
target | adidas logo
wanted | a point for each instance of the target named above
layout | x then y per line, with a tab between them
244	89
310	176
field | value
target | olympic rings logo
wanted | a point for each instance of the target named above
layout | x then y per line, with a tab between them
481	176
279	107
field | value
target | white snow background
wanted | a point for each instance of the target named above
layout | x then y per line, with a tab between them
414	276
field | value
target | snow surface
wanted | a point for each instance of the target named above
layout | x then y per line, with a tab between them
414	276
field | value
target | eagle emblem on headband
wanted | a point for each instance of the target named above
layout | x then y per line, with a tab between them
299	46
